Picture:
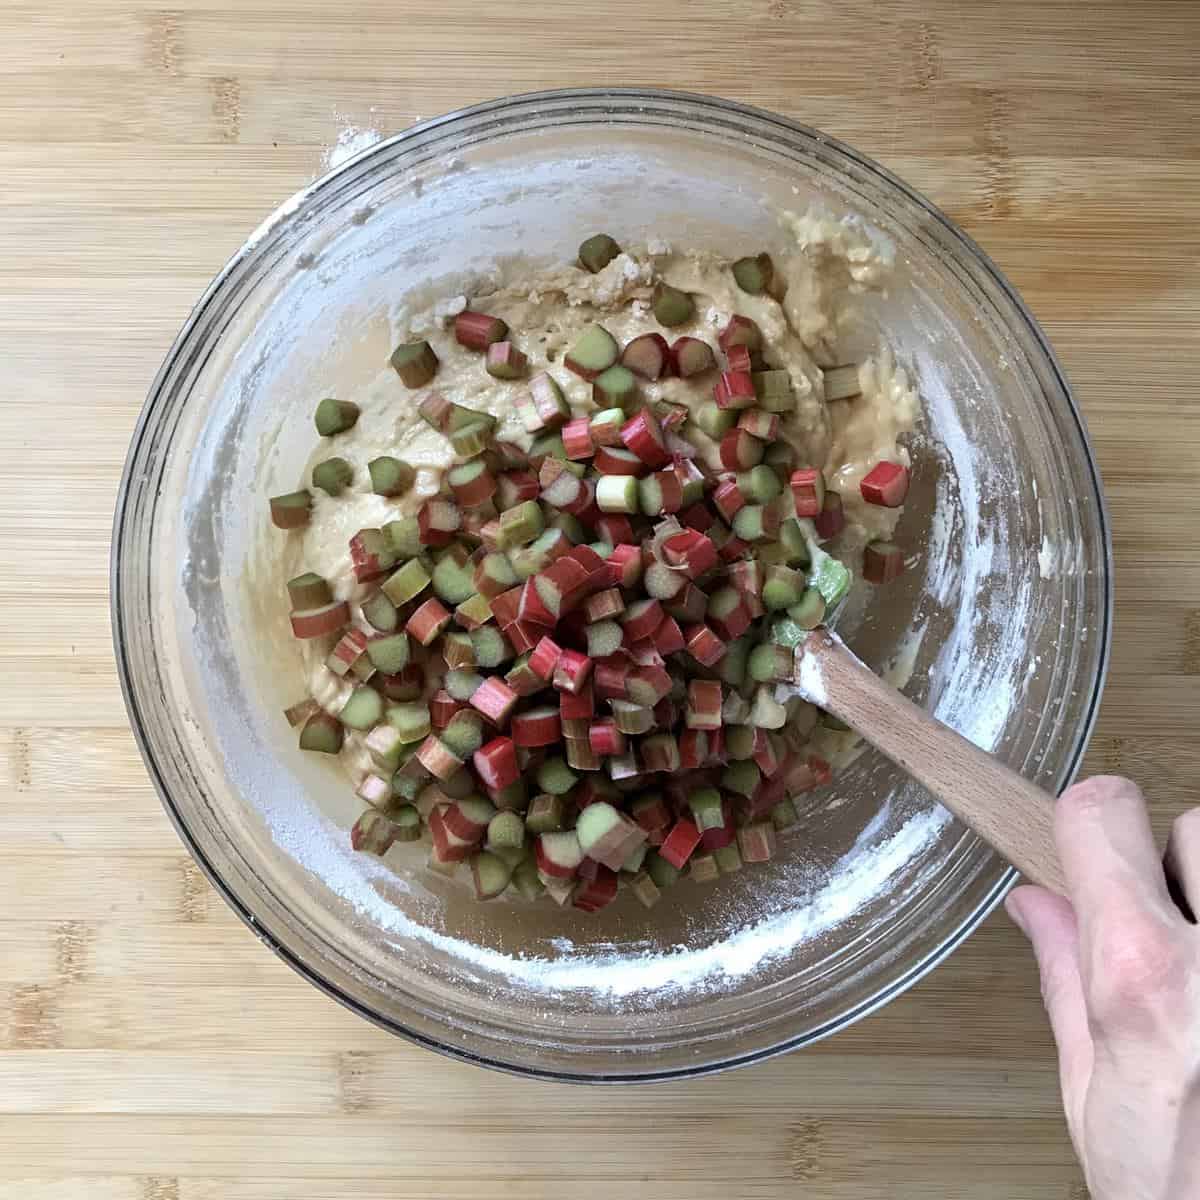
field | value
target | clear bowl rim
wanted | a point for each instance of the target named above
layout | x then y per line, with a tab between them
294	207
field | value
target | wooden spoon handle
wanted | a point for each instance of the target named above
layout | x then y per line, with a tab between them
1006	810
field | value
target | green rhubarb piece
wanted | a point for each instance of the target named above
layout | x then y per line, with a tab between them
809	611
457	650
770	662
739	739
729	858
404	537
415	363
335	416
453	580
459	416
491	875
491	647
671	306
526	880
332	476
407	822
707	812
520	525
506	829
783	588
322	734
471	440
781	456
596	252
309	591
380	613
570	525
794	543
662	872
363	710
291	511
390	476
614	388
510	854
555	778
774	390
594	352
406	583
703	868
749	523
714	421
753	275
410	721
759	484
618	494
464	735
829	576
548	445
462	685
785	631
545	814
765	711
741	777
732	667
474	610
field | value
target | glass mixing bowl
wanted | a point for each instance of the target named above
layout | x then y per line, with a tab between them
1003	623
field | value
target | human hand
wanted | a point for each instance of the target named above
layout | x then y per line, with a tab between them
1120	968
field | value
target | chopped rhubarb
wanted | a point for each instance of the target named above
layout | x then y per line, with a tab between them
415	363
536	727
478	331
672	306
831	520
704	645
754	275
544	406
648	355
320	622
430	620
577	439
494	699
643	436
571	671
690	356
335	416
505	361
808	491
841	383
740	331
886	485
614	388
734	389
882	562
291	511
593	353
596	252
739	451
680	843
322	733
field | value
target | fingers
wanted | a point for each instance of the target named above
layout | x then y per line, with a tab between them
1113	870
1183	861
1049	923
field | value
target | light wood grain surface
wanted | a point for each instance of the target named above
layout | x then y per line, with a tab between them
150	1048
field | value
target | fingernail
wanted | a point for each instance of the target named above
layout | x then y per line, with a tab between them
1012	905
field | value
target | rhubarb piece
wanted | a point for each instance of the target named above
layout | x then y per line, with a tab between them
468	818
380	613
406	686
703	868
641	618
678	847
754	275
545	814
415	363
490	646
783	588
809	612
462	685
841	383
604	429
660	493
471	440
704	701
309	591
478	331
363	709
660	870
605	738
373	833
577	439
520	525
757	842
291	511
390	476
830	577
580	755
490	874
793	545
739	451
645	889
604	638
434	410
571	673
689	606
715	422
506	829
739	358
505	361
617	494
759	423
555	777
437	758
496	763
648	685
593	353
437	522
727	613
740	331
428	622
472	484
454	576
387	748
349	655
660	752
526	881
371	554
335	416
882	562
411	721
671	306
389	653
603	605
458	651
808	491
647	355
765	711
690	356
734	389
404	537
607	835
704	645
559	855
643	436
332	476
616	460
493	575
537	727
406	583
596	252
886	485
299	713
615	387
545	658
771	663
494	699
759	485
322	733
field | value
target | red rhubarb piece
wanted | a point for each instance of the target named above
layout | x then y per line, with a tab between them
578	706
477	331
643	435
610	676
617	460
690	356
428	621
693	552
537	727
572	671
532	610
648	355
741	331
545	658
558	854
704	645
593	895
886	485
739	451
680	843
577	439
738	358
808	491
494	699
605	738
506	606
735	389
437	522
496	763
442	707
641	619
882	562
668	637
319	622
615	529
831	520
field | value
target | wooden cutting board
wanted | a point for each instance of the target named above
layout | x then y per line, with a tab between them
150	1048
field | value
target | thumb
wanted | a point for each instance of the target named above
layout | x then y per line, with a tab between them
1048	920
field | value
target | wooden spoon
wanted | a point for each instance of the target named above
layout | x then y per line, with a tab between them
1007	811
